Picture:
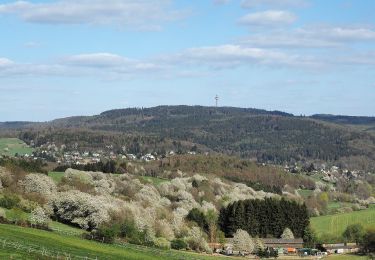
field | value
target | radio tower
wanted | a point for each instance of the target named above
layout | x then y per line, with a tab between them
216	99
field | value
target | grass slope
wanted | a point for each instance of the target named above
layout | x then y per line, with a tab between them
11	146
52	244
56	176
348	257
334	225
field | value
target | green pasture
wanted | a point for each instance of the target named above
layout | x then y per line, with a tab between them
12	146
348	257
28	243
56	176
156	181
332	226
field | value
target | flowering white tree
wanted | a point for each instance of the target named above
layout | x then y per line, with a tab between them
38	183
39	217
84	177
196	240
84	209
242	241
287	234
258	245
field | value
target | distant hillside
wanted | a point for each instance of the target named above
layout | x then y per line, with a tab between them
13	125
351	120
268	136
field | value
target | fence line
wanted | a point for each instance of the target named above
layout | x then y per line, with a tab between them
65	232
41	250
54	254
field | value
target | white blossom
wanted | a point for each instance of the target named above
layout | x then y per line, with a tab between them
83	209
39	217
287	234
242	241
206	206
38	183
84	177
196	240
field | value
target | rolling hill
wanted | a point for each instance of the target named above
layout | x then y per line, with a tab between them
268	136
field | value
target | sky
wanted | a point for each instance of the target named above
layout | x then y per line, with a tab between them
82	57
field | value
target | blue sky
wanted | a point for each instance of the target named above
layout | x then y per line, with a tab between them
82	57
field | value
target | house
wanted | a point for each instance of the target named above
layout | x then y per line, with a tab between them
341	248
131	156
284	243
284	246
288	246
216	247
148	157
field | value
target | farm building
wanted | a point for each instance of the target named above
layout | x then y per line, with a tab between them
284	243
341	248
283	246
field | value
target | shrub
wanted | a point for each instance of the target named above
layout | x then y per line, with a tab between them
2	214
267	253
354	233
129	231
198	217
162	243
16	216
9	201
179	244
369	241
39	217
196	240
107	233
164	229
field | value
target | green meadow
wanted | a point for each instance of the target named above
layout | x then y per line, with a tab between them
27	243
332	226
12	146
56	176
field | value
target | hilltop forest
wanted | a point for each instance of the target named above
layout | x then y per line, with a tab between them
266	136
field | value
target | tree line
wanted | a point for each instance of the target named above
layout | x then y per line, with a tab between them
264	218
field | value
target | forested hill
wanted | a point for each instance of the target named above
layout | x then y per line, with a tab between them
349	120
275	136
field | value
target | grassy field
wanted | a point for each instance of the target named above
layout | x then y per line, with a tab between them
12	146
305	193
56	176
348	257
27	243
154	180
335	225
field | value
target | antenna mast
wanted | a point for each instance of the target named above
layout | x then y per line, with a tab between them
216	100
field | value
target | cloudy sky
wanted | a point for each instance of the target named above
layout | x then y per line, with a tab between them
82	57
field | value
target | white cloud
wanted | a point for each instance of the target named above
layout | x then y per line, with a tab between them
273	3
318	37
131	14
227	56
92	65
364	58
268	18
347	34
4	63
97	60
